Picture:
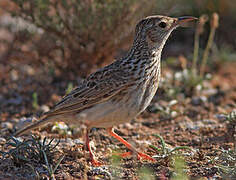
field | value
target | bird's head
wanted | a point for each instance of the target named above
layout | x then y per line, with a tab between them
156	29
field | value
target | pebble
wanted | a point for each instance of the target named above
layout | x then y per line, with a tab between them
103	170
154	108
25	121
128	126
173	114
209	92
60	126
28	69
196	125
196	101
78	141
14	75
2	141
199	87
178	76
7	125
44	108
70	141
173	102
209	121
14	101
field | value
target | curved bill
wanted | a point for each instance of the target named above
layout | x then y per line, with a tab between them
185	19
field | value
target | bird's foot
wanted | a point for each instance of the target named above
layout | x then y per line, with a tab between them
139	156
96	163
145	156
126	154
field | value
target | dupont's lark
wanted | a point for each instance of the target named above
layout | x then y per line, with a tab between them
120	91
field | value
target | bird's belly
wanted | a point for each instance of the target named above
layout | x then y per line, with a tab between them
114	112
106	115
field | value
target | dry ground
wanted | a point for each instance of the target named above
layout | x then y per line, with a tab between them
189	121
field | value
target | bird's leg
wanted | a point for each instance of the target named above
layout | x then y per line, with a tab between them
129	146
92	156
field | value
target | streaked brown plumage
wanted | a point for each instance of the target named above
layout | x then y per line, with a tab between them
120	91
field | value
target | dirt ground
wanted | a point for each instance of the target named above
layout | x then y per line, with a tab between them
181	120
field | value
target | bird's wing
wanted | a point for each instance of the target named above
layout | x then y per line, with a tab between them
98	87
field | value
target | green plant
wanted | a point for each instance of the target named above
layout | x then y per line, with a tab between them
69	87
226	163
49	167
230	119
115	160
164	151
146	173
226	54
30	150
179	169
199	30
35	101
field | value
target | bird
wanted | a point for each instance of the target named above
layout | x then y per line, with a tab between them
120	91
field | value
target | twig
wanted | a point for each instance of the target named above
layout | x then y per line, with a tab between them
214	25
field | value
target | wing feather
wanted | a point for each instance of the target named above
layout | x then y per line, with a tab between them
97	88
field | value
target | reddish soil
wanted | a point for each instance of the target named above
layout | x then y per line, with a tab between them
195	126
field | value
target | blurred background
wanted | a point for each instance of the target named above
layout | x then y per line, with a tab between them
80	36
49	43
48	46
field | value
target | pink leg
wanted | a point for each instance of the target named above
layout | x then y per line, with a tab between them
129	146
92	156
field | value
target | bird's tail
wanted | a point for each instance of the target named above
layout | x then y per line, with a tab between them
42	121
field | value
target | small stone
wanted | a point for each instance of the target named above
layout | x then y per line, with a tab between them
221	117
178	76
203	98
25	121
154	108
209	92
185	74
196	101
29	70
78	141
209	121
70	141
109	150
14	101
199	87
2	141
173	114
14	75
7	125
60	126
190	125
173	102
128	126
208	76
44	108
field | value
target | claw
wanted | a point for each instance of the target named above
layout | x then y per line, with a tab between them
145	156
95	162
92	157
139	156
129	146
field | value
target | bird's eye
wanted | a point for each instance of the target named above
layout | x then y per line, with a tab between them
162	24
